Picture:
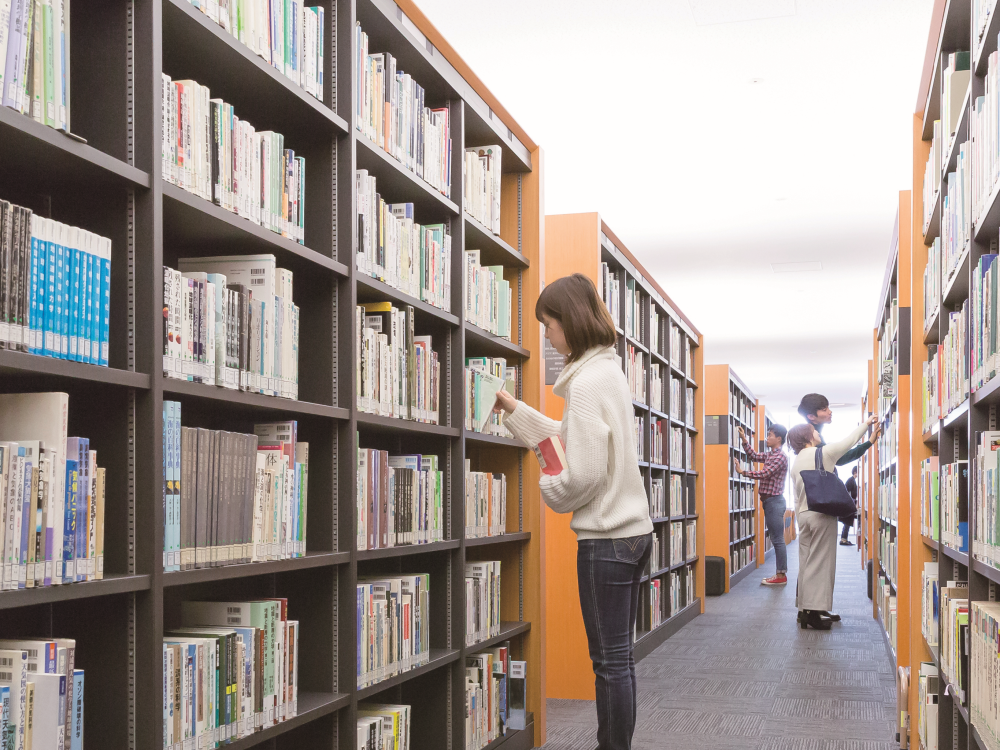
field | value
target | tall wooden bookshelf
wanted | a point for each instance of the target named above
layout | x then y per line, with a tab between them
112	184
731	507
580	243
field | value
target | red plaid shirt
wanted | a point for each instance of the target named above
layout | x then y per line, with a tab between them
772	476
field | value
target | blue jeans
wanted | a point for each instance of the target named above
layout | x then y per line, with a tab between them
609	572
774	516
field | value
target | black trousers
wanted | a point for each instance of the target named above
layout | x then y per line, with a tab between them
848	522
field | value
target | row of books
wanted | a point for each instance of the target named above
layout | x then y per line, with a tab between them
956	215
679	348
740	557
691	538
231	498
886	602
928	685
41	695
677	542
655	603
659	548
954	375
984	132
983	320
400	499
655	321
657	498
680	591
383	726
635	372
230	321
984	670
484	378
393	622
656	387
954	505
286	34
985	493
887	358
741	496
677	447
482	601
488	297
932	284
929	603
209	151
887	554
52	495
931	402
676	495
633	309
485	503
888	441
495	692
741	525
953	652
930	519
482	185
231	669
55	288
391	112
888	499
932	175
393	248
610	289
954	86
638	427
656	441
398	373
34	64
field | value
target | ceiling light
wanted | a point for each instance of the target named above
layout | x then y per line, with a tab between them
797	266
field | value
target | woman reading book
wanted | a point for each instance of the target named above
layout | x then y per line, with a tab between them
594	474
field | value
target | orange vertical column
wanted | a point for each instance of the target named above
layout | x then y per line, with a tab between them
716	387
904	405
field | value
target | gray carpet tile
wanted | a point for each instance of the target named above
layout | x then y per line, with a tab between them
744	676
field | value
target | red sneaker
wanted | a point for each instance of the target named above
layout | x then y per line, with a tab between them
775	580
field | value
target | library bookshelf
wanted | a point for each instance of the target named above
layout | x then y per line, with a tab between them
764	546
731	516
112	184
654	336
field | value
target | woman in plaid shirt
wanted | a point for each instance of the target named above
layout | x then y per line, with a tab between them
772	488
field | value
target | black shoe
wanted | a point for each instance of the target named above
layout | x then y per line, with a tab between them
846	543
829	616
812	618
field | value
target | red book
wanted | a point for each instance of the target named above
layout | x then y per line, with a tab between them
551	454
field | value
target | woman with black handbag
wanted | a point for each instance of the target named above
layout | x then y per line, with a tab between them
817	511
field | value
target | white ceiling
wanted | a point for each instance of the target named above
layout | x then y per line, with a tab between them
715	148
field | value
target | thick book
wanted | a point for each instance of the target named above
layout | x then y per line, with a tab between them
551	455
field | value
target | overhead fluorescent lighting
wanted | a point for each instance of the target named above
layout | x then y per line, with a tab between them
708	12
799	266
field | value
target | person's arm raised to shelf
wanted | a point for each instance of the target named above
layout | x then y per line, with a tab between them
837	450
859	450
756	457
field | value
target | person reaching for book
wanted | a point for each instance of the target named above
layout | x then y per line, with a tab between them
771	483
597	479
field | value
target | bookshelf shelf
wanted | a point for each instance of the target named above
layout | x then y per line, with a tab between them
932	543
637	344
407	550
478	437
373	290
961	135
986	571
28	147
659	414
957	417
484	343
493	250
20	364
256	402
392	424
197	45
399	184
988	394
960	557
227	572
508	630
110	585
485	541
439	657
190	221
312	706
515	739
660	359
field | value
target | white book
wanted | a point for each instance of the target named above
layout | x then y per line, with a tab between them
14	675
48	725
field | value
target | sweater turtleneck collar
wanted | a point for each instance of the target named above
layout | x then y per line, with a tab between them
570	371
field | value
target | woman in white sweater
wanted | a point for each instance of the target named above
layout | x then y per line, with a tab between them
600	485
817	531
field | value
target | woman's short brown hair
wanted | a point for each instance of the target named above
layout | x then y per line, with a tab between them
800	436
574	302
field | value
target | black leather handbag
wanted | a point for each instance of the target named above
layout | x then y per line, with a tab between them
825	493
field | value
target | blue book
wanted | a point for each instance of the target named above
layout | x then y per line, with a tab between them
76	738
69	239
37	279
74	304
57	313
105	256
69	526
86	309
175	535
49	345
83	512
95	310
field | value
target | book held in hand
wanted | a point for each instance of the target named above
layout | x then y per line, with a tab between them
551	454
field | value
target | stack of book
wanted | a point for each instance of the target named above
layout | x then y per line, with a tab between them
230	670
484	378
930	525
676	495
954	531
657	498
657	441
230	321
986	499
391	113
55	288
929	602
393	248
608	286
482	601
52	496
633	310
932	175
927	706
488	300
383	725
286	35
398	374
485	503
953	385
400	499
482	186
394	616
932	284
635	373
34	64
209	151
231	498
41	693
491	706
983	320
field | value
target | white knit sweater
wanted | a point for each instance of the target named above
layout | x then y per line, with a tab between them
601	484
